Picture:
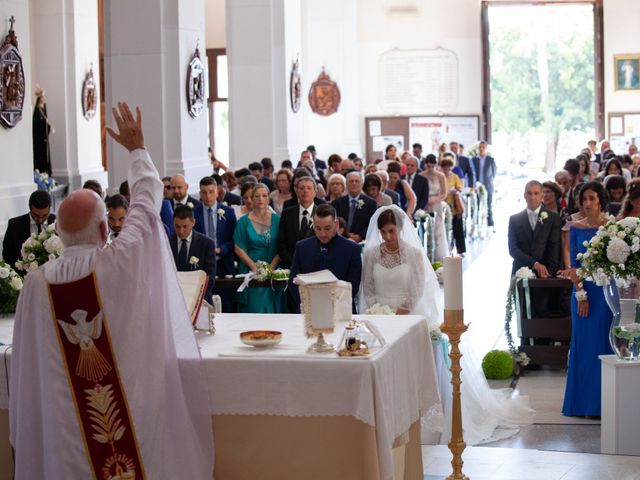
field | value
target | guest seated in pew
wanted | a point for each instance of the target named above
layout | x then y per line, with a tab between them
191	249
355	207
631	205
327	250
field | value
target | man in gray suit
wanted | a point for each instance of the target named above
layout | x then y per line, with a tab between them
485	168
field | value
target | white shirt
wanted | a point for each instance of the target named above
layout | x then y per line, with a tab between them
309	211
33	226
533	216
183	201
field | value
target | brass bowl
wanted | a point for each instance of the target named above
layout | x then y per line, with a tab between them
261	338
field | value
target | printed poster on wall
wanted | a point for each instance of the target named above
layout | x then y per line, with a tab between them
431	132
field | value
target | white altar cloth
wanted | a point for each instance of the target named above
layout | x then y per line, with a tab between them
389	390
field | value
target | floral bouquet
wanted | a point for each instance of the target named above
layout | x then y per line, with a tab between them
377	309
44	181
39	249
438	268
612	251
263	271
419	215
519	357
280	274
10	286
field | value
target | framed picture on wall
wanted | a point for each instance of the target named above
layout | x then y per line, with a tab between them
627	72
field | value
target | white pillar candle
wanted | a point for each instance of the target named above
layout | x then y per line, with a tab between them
453	283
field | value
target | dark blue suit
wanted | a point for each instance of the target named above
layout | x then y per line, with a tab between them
343	258
204	249
225	226
166	214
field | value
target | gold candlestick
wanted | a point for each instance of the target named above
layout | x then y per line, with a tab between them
454	327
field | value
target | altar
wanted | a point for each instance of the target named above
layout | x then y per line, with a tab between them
283	413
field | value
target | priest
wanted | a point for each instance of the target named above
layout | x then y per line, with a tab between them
106	378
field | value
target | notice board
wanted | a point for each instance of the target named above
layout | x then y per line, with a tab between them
428	130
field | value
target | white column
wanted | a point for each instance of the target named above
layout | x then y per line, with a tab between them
330	40
66	45
263	39
16	151
148	47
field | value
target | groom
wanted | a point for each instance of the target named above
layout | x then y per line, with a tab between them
327	250
534	235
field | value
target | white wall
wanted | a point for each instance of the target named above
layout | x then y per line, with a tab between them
215	23
16	147
621	19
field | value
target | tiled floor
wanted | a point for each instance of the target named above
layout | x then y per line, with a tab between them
484	463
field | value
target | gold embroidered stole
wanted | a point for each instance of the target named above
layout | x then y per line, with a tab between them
99	398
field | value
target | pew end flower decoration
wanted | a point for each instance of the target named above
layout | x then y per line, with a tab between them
10	286
38	249
614	251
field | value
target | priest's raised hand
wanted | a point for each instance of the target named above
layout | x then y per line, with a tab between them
129	134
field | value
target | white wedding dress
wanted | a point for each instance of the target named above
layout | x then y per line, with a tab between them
442	245
405	279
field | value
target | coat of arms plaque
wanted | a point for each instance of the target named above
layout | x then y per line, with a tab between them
324	95
11	80
89	95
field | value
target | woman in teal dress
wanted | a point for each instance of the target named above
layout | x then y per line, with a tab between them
255	239
590	315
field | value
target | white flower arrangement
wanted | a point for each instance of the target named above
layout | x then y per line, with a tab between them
525	272
612	252
280	274
377	309
39	249
10	286
474	150
44	181
360	204
263	271
440	275
190	204
543	216
435	333
194	261
220	213
420	214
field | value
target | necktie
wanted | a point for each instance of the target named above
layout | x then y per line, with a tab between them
39	225
182	257
211	225
410	180
115	234
304	225
352	211
563	201
323	258
533	218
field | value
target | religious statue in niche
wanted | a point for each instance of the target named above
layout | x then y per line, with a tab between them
11	80
295	87
89	95
324	95
42	129
195	85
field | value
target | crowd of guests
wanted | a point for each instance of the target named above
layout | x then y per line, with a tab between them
258	213
561	216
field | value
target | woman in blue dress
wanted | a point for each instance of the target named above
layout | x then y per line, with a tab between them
255	239
590	314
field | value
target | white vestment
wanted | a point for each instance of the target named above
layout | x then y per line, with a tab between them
150	330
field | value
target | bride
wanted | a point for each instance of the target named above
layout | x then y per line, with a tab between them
396	273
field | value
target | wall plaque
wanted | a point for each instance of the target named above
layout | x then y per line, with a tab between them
89	95
195	85
324	95
295	86
11	80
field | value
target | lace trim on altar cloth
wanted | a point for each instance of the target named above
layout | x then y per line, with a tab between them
433	420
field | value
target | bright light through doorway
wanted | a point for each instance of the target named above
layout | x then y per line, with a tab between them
542	84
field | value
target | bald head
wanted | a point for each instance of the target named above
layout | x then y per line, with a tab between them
81	219
179	187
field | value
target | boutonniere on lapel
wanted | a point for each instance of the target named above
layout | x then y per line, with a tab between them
360	204
543	217
189	204
220	213
193	261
